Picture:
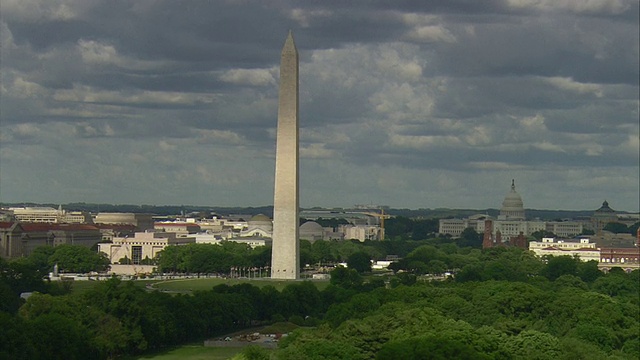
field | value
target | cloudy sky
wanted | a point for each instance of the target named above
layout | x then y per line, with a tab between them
410	104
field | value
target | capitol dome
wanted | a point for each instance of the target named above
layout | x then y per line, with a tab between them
512	206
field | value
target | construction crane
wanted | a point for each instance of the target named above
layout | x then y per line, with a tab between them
380	215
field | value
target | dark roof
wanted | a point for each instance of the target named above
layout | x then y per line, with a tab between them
6	224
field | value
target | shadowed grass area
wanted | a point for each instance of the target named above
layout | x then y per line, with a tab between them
84	285
188	285
193	352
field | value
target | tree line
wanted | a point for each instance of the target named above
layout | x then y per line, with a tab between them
503	303
556	308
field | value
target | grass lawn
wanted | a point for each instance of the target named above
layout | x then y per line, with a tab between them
193	352
81	286
187	285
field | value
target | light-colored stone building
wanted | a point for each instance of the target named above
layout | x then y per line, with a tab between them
49	215
582	248
10	239
514	228
253	242
361	232
455	227
258	226
602	217
20	239
181	229
142	246
142	222
512	205
565	229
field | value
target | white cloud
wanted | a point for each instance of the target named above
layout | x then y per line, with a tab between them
388	109
631	146
577	6
95	52
304	17
219	137
316	151
569	84
423	142
494	165
25	89
431	33
35	10
393	62
88	94
548	146
253	77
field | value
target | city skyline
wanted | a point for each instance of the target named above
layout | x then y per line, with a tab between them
423	105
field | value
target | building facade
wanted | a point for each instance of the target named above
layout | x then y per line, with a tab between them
582	248
142	222
20	239
144	245
50	215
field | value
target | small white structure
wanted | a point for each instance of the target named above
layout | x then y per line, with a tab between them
381	264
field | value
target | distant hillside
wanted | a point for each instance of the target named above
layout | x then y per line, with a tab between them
163	210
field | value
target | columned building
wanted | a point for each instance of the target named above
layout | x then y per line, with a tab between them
512	206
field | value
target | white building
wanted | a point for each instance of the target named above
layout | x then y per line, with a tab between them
511	221
253	242
50	215
142	246
258	226
509	229
565	229
512	206
585	250
142	222
180	228
455	227
361	232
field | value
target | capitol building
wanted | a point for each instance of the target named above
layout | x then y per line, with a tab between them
510	222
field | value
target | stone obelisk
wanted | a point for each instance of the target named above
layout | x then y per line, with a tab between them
285	255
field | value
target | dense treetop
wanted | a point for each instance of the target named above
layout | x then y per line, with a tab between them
502	303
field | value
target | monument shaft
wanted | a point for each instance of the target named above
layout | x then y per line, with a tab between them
285	256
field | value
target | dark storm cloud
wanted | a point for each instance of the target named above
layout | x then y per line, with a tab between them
422	89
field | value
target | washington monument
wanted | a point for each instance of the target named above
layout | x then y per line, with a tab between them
285	255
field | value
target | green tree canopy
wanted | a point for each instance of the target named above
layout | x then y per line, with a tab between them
616	228
470	238
360	262
78	259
